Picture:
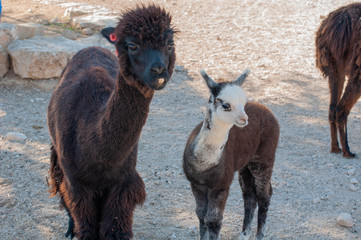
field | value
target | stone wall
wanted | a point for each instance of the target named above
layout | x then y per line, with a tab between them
32	55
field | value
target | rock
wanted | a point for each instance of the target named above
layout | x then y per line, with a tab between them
87	31
10	30
72	12
54	20
345	220
41	57
95	21
354	181
70	34
5	39
316	200
4	61
351	171
46	57
44	22
352	188
29	30
15	136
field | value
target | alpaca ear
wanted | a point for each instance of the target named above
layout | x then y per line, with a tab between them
240	80
210	82
109	34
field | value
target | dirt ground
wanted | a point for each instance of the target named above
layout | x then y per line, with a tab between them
273	38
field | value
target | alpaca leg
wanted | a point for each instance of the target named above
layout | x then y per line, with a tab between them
246	180
351	95
71	226
262	175
216	202
335	82
200	195
117	215
70	232
84	214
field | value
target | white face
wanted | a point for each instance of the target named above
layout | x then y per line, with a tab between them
229	106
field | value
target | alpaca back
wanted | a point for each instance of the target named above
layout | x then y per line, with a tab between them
259	138
336	38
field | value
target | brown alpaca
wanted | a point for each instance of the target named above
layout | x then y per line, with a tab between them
95	117
234	136
338	54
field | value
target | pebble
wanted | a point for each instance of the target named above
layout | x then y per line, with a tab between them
350	171
354	181
87	31
54	20
345	220
44	22
15	136
316	200
352	188
70	34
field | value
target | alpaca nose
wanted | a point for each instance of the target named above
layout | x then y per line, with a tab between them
243	119
158	70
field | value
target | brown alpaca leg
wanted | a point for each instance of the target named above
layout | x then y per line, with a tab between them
216	202
262	175
246	180
82	207
351	95
200	195
117	215
335	82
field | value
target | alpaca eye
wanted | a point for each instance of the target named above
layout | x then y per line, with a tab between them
132	47
226	107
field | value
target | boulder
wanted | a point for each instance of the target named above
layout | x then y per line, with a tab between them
29	30
70	34
4	61
10	30
46	57
95	21
5	39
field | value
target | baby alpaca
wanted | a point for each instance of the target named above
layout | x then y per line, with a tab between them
235	135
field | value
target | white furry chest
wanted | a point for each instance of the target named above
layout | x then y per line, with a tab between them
207	153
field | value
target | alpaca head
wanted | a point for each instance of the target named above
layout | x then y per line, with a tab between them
144	42
227	100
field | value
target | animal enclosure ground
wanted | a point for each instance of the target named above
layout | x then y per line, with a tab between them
275	39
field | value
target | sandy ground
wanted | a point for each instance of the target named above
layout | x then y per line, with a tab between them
273	38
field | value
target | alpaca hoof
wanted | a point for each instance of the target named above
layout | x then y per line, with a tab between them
335	150
349	155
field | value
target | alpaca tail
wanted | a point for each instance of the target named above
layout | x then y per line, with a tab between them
55	173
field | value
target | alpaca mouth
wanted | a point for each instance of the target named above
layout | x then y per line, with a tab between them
158	83
241	123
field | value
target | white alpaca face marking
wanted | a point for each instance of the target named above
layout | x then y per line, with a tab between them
229	106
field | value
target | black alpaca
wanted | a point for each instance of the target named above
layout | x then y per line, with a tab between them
95	117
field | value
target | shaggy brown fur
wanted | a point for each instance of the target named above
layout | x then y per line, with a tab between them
250	151
95	117
338	54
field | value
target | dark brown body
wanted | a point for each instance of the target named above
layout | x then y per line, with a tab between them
250	151
94	158
338	54
95	118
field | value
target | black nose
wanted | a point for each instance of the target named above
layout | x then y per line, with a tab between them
158	70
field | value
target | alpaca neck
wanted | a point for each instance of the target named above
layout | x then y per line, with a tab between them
124	117
209	144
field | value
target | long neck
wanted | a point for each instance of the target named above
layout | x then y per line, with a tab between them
208	145
125	115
